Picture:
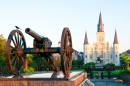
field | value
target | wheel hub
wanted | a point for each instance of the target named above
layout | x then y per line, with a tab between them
69	51
20	52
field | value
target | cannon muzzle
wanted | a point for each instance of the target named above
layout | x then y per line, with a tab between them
34	34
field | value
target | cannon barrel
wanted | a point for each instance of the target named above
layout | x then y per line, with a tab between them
34	34
39	41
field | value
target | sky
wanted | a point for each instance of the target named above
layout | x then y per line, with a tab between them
49	17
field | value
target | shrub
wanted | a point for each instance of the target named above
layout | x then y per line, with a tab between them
29	70
120	72
96	75
90	64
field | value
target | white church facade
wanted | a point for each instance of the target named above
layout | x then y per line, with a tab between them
101	50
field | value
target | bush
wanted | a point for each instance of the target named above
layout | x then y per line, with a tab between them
126	71
116	73
29	70
90	64
109	64
120	72
77	62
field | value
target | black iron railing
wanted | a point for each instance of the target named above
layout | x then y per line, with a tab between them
92	71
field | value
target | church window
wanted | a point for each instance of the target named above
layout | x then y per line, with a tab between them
116	56
111	56
86	56
100	39
91	56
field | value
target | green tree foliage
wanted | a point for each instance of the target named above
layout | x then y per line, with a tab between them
109	64
77	62
29	70
36	60
29	59
126	59
90	64
2	51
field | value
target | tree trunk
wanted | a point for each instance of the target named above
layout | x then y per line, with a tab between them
26	64
127	65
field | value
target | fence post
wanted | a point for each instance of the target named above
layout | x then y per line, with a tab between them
102	77
109	74
91	74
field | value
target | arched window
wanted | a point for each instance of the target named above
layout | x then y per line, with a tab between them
111	56
86	56
100	39
116	56
90	56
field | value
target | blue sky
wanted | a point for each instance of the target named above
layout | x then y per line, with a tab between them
49	17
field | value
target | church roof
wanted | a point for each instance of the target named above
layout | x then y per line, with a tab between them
115	39
100	24
86	39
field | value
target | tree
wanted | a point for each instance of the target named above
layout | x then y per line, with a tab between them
126	59
77	62
2	51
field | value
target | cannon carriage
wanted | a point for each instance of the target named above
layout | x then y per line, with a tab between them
16	51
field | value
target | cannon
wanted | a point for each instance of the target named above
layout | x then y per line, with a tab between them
16	51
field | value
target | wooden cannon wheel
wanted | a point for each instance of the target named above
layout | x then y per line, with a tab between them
15	56
66	52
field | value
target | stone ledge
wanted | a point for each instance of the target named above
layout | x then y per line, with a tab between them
75	80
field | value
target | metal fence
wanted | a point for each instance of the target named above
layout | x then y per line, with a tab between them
4	71
91	70
103	72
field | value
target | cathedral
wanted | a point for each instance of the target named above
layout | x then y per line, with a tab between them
101	51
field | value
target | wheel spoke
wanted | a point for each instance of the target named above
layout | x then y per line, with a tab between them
13	59
18	37
15	38
22	45
14	65
13	42
21	60
66	39
12	47
13	53
20	41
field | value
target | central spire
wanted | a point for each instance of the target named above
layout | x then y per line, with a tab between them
115	39
86	39
100	26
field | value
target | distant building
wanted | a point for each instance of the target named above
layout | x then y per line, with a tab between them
127	52
77	55
101	49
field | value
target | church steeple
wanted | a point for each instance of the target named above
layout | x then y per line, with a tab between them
86	39
100	26
115	38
